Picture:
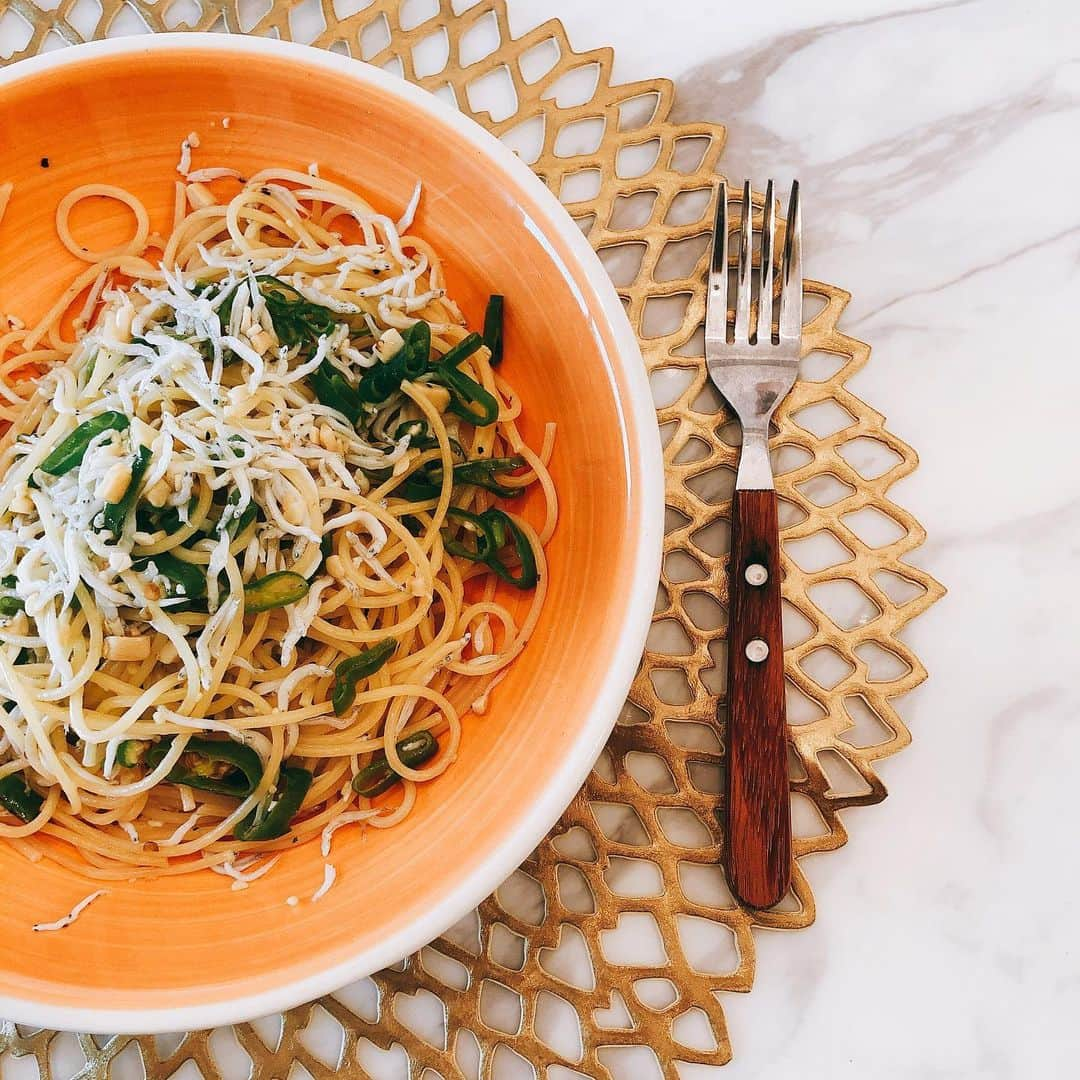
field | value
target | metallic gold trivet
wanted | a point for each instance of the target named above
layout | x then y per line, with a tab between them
635	854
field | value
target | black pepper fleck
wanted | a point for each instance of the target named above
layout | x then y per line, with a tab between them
44	162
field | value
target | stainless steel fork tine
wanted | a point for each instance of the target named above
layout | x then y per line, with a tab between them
745	274
716	297
754	375
768	243
791	275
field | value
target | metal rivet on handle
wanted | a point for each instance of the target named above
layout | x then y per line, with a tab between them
756	574
757	650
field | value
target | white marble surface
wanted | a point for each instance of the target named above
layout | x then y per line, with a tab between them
939	152
939	149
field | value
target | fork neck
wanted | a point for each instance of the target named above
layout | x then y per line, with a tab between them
755	469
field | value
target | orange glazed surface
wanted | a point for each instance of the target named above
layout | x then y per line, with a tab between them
191	941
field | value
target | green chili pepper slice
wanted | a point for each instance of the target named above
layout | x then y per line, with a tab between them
224	309
414	750
487	543
69	454
417	490
116	513
483	471
498	530
409	362
415	429
219	765
426	482
132	751
415	354
297	320
19	798
12	605
456	449
493	529
493	328
164	519
271	818
468	399
188	580
239	523
334	391
349	403
349	672
381	381
326	549
423	484
526	576
274	591
461	351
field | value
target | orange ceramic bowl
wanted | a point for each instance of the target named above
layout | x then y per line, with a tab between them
175	954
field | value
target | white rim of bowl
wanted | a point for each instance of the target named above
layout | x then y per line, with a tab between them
627	648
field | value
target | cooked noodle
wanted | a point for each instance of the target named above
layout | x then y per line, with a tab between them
234	467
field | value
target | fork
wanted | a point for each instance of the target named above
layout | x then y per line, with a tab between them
754	373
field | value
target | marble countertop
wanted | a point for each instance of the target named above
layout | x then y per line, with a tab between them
937	147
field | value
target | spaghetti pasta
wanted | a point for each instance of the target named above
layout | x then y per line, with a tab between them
257	538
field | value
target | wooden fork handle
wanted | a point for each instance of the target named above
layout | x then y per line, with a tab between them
758	842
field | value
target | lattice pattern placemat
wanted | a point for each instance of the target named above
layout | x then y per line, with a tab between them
631	870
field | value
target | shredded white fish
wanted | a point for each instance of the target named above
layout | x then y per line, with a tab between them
480	641
287	685
454	649
329	877
480	705
343	819
260	448
410	211
238	870
181	830
292	901
183	166
162	715
203	176
72	915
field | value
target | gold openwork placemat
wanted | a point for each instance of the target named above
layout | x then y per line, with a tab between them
619	932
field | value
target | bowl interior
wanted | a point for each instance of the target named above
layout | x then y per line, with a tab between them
191	943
